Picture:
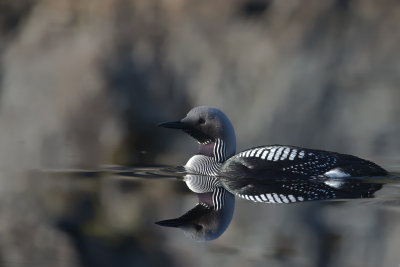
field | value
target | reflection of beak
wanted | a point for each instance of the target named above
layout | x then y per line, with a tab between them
172	222
191	216
174	125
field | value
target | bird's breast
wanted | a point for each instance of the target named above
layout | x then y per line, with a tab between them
202	165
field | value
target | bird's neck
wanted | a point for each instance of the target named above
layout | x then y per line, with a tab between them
216	198
207	149
215	149
206	198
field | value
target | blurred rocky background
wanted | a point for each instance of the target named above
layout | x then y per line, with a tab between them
84	83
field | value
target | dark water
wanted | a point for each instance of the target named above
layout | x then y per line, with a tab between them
108	215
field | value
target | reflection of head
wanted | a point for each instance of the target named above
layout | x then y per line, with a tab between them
205	222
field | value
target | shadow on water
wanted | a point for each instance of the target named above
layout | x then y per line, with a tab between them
108	217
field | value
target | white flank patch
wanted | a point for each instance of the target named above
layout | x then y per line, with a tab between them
334	184
336	173
258	199
300	198
264	198
292	198
301	154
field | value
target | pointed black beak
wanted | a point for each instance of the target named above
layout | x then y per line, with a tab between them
188	127
172	222
191	216
174	125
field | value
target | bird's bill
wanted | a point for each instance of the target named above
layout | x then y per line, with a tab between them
173	125
192	215
172	222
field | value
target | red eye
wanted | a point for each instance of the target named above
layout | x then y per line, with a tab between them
201	121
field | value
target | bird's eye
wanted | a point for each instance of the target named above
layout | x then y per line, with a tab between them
198	227
201	121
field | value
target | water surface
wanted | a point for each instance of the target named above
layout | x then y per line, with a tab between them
109	215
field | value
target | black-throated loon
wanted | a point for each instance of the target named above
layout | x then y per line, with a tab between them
213	212
271	174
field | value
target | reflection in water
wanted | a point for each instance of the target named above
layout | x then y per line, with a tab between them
213	213
105	214
114	240
297	190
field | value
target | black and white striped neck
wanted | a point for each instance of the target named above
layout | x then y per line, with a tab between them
215	199
214	148
219	151
209	189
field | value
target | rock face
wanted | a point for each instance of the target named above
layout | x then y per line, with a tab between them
84	83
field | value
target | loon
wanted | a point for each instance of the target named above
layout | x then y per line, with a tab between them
275	173
211	216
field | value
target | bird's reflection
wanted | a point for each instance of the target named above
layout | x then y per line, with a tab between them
213	213
211	216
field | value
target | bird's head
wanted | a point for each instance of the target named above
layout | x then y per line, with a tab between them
210	127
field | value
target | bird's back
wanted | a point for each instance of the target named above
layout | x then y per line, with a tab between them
294	173
279	161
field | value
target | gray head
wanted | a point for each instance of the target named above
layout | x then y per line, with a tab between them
204	222
211	128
